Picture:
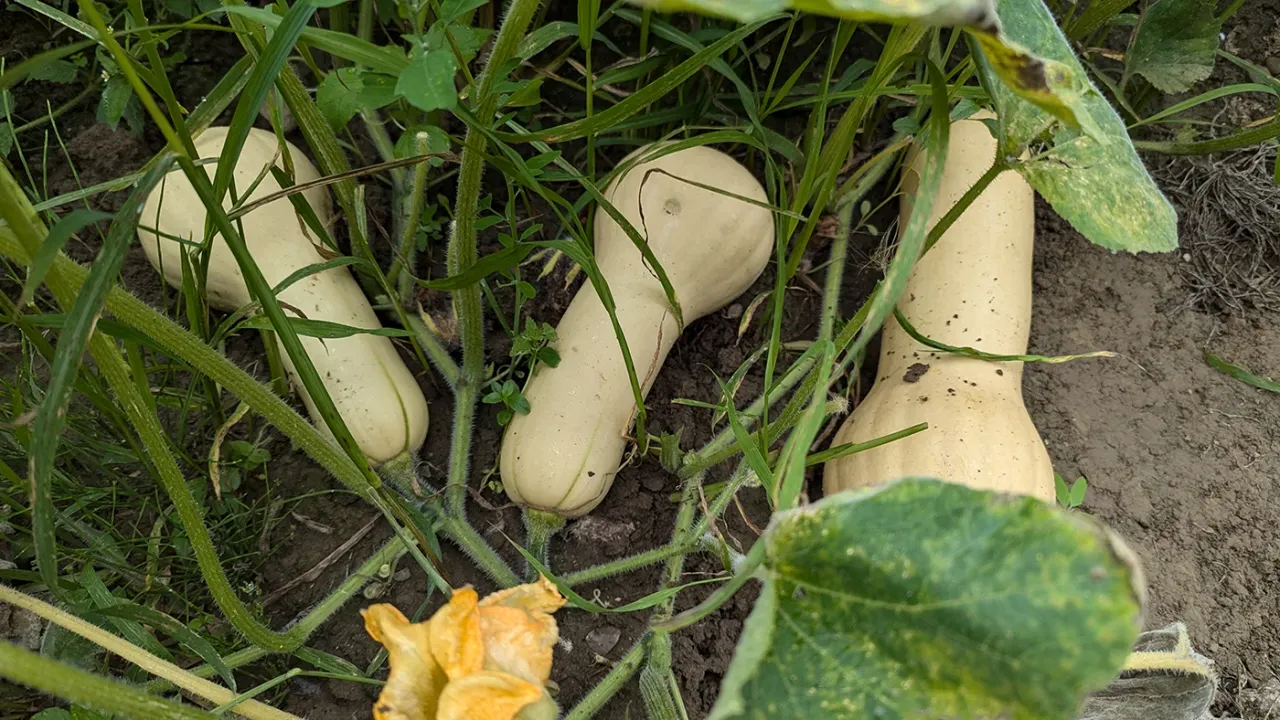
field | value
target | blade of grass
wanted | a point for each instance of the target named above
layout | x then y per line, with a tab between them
78	686
1235	141
1210	96
131	630
152	664
1239	373
750	447
389	60
637	102
59	234
30	66
912	241
847	449
979	355
83	315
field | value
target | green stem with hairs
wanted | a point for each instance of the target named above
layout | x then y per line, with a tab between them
467	302
412	215
84	688
715	508
462	243
660	696
944	223
176	341
1243	139
388	554
609	686
540	526
435	350
481	553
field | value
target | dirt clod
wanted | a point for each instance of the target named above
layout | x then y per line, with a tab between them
915	372
603	639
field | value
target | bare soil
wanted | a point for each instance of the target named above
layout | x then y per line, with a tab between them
1181	460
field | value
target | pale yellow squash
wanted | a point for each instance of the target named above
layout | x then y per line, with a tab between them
563	456
374	391
972	289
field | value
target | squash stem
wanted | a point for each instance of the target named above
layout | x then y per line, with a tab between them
539	526
467	302
197	686
435	350
410	208
84	688
481	553
661	697
388	554
464	415
609	686
750	563
658	694
715	508
462	243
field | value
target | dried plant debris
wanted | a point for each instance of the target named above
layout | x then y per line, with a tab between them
1229	209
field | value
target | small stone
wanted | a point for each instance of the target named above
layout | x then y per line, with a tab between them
733	312
1273	64
21	627
653	481
401	575
603	639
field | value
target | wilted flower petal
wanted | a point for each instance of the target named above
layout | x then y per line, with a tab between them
540	596
456	642
518	642
416	680
519	632
486	695
473	660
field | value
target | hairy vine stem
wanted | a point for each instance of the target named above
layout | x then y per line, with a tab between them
467	302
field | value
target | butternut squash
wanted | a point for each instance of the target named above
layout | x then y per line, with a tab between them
563	456
374	391
973	288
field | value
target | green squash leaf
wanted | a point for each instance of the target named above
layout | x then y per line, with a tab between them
1056	87
940	12
923	599
428	81
1175	44
1092	177
346	91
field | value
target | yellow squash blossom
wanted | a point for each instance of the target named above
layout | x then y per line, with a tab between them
474	659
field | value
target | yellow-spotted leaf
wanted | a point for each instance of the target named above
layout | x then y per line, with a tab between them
924	599
1058	88
937	12
1089	172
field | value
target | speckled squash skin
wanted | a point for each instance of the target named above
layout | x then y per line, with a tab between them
972	289
374	391
563	456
